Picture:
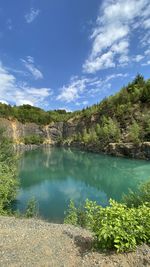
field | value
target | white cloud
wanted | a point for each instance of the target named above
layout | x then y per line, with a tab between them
108	37
82	103
114	76
123	60
103	62
32	15
138	58
103	85
146	63
72	91
85	103
29	64
121	47
79	88
145	41
9	24
147	52
101	89
111	37
146	23
3	101
19	92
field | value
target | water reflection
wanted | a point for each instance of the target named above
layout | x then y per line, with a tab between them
56	175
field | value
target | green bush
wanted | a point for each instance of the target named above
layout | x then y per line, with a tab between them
116	226
33	139
108	131
134	132
31	209
8	174
142	195
71	214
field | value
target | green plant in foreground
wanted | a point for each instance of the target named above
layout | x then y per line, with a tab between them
139	197
31	209
71	216
116	226
8	175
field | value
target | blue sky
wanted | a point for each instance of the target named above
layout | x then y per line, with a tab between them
70	54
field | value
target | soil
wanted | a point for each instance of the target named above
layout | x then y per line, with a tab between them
31	242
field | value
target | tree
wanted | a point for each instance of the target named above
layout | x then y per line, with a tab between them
92	135
139	79
97	129
145	96
85	136
110	131
134	132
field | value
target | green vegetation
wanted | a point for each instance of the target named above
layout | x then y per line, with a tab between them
106	132
31	209
135	199
33	139
27	113
134	132
119	226
8	175
124	117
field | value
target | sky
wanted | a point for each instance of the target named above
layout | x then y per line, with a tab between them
70	54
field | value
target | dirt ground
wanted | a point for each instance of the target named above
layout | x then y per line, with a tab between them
31	242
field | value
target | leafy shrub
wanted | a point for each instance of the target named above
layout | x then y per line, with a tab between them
8	174
139	197
32	209
116	226
108	131
71	215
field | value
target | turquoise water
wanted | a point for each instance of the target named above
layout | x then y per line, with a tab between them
55	175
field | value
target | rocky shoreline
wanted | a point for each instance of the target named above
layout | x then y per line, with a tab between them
23	147
128	150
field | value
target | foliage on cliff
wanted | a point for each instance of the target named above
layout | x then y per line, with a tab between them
124	117
8	174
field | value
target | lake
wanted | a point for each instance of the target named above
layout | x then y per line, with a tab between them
55	175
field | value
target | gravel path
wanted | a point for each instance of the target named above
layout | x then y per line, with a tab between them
30	242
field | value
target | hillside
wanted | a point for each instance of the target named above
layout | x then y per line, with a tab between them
119	119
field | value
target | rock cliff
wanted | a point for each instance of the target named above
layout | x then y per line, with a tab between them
54	132
16	130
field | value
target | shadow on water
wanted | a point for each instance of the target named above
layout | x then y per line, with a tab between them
56	175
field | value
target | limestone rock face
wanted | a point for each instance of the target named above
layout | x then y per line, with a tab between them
16	130
72	127
53	132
